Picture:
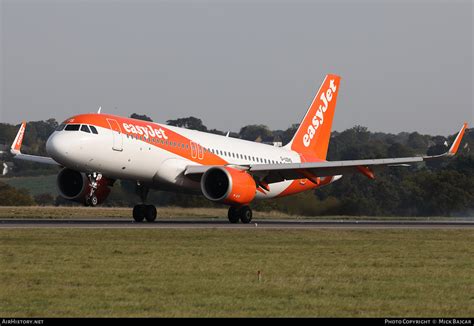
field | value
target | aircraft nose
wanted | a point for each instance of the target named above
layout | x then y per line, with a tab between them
56	146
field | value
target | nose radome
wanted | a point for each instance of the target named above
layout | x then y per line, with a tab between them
56	147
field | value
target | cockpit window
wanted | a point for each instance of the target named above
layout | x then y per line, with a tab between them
60	127
72	127
85	128
94	130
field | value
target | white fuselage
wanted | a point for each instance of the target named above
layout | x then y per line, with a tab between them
125	156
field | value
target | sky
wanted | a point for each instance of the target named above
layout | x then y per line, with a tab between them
405	65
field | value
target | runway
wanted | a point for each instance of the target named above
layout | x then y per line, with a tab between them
224	224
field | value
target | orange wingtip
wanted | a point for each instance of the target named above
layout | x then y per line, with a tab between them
16	146
457	141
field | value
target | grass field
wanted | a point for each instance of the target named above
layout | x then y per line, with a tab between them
143	272
35	185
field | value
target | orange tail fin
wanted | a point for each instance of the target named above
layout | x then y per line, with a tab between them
314	132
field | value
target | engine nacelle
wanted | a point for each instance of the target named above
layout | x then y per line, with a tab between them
75	186
228	185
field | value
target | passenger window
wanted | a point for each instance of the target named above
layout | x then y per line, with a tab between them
85	128
94	130
72	127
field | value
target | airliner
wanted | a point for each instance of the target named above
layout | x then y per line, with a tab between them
94	150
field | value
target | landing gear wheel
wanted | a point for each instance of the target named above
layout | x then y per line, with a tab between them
93	201
245	214
139	213
233	214
150	213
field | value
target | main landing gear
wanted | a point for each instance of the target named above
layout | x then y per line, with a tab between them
143	212
242	213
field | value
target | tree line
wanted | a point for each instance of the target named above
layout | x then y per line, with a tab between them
444	188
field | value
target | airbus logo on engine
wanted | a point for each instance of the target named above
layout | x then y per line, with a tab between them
318	118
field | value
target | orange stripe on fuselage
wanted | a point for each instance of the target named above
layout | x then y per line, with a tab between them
100	120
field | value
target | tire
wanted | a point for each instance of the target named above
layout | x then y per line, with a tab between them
139	213
233	215
93	201
245	214
150	213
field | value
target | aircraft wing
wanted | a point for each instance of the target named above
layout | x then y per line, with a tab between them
15	149
271	173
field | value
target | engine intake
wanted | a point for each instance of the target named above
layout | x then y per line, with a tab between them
75	186
71	184
228	185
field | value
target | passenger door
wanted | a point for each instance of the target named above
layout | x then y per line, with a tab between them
117	135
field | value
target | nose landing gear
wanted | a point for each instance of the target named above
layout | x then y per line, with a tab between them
91	198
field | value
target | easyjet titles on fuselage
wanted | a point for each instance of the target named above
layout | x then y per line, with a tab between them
147	131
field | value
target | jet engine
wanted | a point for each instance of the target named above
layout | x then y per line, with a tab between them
76	186
228	185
